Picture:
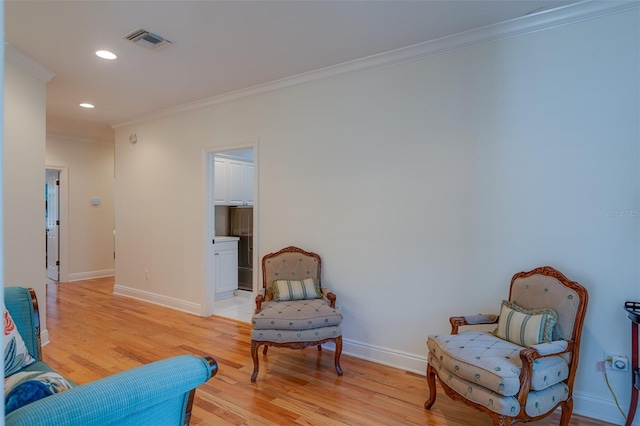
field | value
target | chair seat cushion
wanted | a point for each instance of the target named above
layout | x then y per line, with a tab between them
538	402
296	315
490	362
289	336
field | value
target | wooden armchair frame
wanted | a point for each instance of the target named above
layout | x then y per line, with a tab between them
527	355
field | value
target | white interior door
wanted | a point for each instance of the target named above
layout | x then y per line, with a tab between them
52	212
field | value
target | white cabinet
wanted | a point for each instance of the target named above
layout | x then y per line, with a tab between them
233	182
220	196
236	182
225	265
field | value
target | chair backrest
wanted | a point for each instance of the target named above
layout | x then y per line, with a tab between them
290	263
545	287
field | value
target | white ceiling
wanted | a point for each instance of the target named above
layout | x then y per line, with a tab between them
219	46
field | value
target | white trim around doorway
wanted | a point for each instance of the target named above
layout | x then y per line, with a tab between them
208	219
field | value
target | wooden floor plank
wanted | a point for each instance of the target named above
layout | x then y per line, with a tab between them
95	333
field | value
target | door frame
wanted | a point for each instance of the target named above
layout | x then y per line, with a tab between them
63	230
208	219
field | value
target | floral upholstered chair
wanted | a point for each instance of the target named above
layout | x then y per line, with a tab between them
294	311
525	369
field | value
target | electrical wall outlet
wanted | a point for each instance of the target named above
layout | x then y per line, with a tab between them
616	362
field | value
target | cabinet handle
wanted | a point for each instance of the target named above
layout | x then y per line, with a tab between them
216	254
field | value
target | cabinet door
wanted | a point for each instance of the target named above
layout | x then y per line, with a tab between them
235	176
220	181
248	184
233	182
226	264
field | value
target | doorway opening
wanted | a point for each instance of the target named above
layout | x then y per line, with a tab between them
52	218
232	275
55	213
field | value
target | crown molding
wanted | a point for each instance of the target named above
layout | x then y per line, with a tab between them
20	59
541	21
74	138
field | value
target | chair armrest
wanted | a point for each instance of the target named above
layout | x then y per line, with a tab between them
552	348
529	355
472	320
329	295
159	392
259	301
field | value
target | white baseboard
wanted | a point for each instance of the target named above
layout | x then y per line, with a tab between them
385	356
586	405
224	294
44	337
79	276
158	299
596	407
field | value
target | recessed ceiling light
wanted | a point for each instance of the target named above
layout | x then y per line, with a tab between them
105	54
86	105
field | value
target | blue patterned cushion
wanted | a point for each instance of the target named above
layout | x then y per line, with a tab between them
16	355
288	336
26	387
525	327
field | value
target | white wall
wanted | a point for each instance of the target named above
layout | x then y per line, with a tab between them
23	177
221	220
424	186
90	169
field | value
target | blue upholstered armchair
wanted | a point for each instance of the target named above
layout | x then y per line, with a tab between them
294	310
159	393
525	369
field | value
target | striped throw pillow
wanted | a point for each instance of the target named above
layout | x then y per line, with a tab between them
525	327
296	290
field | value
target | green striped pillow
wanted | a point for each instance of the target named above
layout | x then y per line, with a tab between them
525	327
308	288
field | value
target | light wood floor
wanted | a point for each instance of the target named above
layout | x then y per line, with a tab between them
94	334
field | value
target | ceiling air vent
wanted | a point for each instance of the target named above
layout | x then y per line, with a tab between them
147	39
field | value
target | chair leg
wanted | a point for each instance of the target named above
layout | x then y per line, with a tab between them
254	356
266	348
431	382
567	409
337	355
499	420
319	348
